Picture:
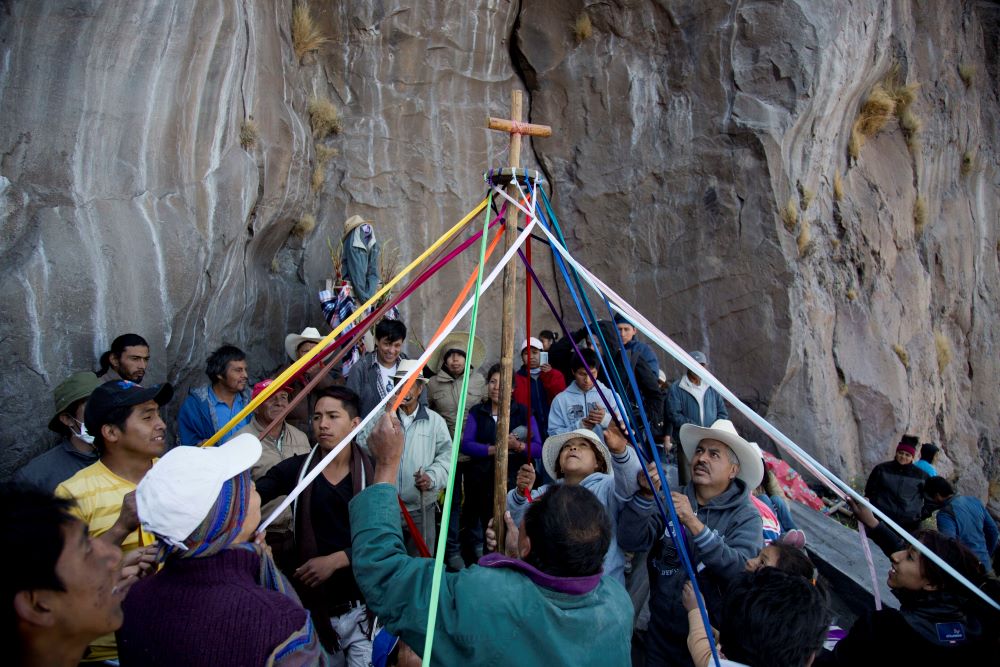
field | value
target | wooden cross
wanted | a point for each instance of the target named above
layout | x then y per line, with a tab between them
516	129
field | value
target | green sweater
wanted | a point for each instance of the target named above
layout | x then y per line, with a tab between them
507	613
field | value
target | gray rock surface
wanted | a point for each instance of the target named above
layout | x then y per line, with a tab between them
682	130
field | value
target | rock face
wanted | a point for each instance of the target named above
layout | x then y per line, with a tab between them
702	152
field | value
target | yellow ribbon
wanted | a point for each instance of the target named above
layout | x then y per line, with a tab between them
295	367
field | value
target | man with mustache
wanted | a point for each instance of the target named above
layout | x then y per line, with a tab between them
720	527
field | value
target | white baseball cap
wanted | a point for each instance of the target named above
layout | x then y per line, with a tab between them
533	342
178	492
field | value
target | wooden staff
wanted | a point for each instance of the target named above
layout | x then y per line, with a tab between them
516	128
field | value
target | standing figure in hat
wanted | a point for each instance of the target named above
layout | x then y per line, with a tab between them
358	280
721	529
691	401
443	394
426	461
296	347
537	384
580	457
76	450
897	487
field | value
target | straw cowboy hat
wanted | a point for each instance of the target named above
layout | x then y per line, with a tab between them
457	340
293	340
407	365
751	466
554	444
353	223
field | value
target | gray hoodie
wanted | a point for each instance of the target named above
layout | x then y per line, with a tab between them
732	535
614	492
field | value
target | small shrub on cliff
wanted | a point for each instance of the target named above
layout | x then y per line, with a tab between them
943	351
920	215
306	35
790	214
324	118
582	28
804	239
323	155
875	112
904	358
304	226
248	134
838	186
967	72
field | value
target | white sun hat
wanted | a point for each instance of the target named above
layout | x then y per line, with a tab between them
180	489
554	444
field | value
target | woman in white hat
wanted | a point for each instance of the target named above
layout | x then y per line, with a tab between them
580	458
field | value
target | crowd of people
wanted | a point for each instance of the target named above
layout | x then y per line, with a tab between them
133	545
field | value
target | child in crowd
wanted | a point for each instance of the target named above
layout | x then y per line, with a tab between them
580	458
580	405
778	556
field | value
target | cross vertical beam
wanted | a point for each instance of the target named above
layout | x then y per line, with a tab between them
516	128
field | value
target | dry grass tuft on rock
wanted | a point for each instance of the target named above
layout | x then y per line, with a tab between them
851	294
920	215
318	177
805	197
968	162
304	226
943	351
838	187
875	112
904	358
249	134
967	72
804	239
306	35
324	118
583	29
790	214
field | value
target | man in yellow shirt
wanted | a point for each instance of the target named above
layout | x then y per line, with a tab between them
128	432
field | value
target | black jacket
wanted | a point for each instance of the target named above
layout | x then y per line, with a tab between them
898	491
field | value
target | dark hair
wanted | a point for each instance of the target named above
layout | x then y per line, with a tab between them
955	554
392	329
494	369
449	352
928	451
32	542
70	410
586	356
794	561
938	486
215	365
118	346
546	334
569	531
771	618
116	416
347	397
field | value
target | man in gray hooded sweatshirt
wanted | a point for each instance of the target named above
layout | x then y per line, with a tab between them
721	529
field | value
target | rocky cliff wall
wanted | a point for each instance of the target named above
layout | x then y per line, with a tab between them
702	153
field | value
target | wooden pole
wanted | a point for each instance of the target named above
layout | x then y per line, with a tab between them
507	338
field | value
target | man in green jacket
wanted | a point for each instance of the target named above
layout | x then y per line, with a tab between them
549	606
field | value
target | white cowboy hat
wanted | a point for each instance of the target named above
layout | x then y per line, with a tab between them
407	365
353	223
457	340
751	467
554	444
293	340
